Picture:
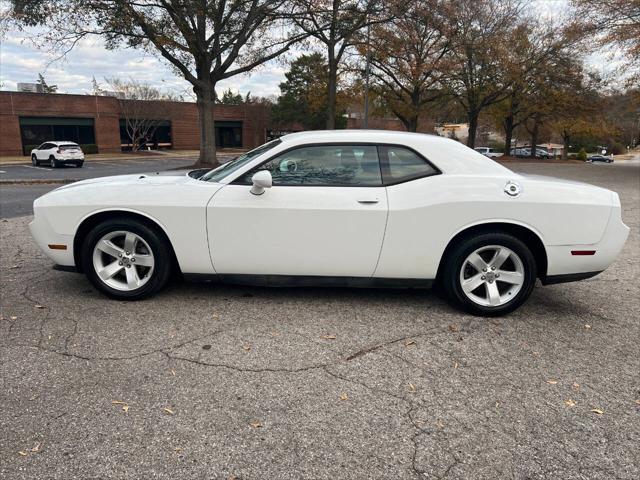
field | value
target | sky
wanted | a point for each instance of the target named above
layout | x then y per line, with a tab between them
21	61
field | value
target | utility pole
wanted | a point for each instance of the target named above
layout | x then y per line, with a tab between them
365	123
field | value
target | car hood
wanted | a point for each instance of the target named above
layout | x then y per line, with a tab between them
173	177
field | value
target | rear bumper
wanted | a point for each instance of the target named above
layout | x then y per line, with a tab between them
563	264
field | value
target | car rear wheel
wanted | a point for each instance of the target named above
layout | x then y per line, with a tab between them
126	259
54	163
489	274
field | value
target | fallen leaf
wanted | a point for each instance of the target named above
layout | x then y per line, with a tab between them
13	317
246	348
575	386
454	328
173	372
552	382
12	267
638	402
535	353
23	453
206	347
587	326
39	306
256	424
177	449
344	396
125	408
36	448
169	411
409	342
455	365
329	337
569	403
597	410
497	404
118	402
412	387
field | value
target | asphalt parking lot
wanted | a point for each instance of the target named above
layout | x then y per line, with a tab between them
222	382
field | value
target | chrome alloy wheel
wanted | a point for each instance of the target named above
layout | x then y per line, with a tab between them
492	276
123	260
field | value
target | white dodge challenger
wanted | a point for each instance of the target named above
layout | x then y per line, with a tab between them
340	208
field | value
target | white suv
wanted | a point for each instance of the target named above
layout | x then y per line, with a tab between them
488	152
58	154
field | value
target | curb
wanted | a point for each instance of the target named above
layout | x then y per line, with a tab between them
39	181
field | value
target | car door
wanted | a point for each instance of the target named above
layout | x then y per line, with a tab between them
42	151
325	215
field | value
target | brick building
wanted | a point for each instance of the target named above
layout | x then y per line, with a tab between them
31	118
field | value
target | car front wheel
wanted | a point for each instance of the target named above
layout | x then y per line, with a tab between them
34	161
126	259
489	274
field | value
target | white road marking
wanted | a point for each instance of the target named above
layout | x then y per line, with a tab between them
37	168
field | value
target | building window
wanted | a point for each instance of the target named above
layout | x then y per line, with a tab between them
228	134
159	138
37	130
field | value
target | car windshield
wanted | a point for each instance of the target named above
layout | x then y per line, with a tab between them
228	168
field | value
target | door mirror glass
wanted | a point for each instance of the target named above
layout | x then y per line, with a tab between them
260	181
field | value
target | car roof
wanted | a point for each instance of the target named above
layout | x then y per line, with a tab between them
447	154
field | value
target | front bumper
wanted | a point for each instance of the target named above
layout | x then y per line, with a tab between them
44	235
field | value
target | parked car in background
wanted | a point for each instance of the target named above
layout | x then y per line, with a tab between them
488	152
342	208
599	158
523	152
58	154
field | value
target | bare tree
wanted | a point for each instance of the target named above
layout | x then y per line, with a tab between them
205	41
408	56
482	58
337	24
142	108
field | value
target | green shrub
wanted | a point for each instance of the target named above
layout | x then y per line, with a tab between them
89	148
28	148
582	154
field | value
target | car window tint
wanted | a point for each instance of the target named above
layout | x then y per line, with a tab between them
403	164
331	165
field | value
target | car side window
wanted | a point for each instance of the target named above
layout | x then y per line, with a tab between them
401	164
324	165
44	146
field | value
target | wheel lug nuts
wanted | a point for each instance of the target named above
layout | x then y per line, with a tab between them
484	269
119	263
493	268
128	253
497	275
129	265
483	277
133	260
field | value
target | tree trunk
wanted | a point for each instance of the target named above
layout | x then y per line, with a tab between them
205	101
508	134
331	90
534	138
565	142
473	128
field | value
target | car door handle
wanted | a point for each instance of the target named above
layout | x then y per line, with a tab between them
368	201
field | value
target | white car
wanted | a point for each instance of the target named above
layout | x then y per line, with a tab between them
58	154
350	208
488	152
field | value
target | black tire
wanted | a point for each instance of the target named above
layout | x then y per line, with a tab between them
34	161
54	163
454	262
157	242
79	164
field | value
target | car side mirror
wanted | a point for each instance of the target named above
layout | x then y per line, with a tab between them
261	180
